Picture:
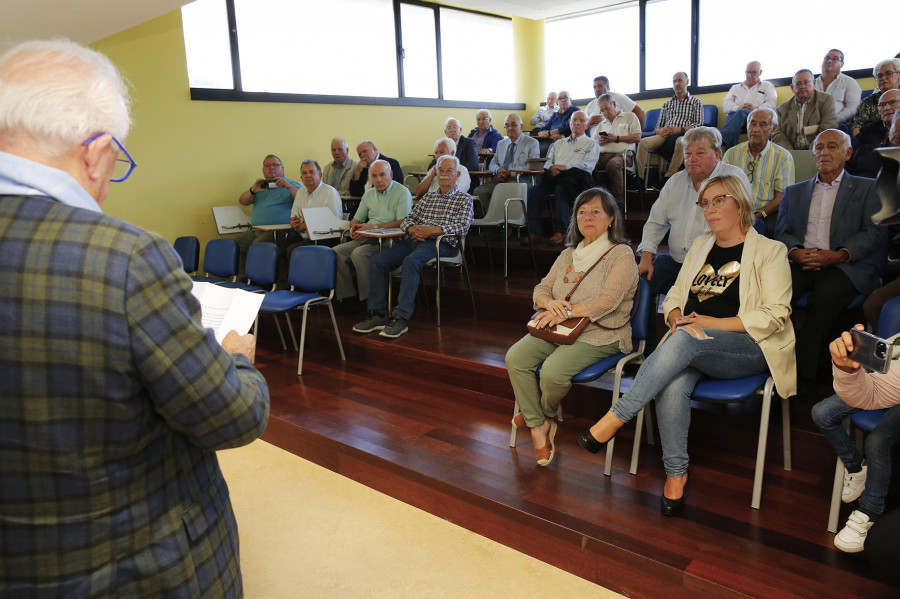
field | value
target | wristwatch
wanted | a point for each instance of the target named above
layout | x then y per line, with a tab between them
568	313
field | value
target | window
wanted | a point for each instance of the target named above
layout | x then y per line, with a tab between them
668	24
348	51
608	41
803	38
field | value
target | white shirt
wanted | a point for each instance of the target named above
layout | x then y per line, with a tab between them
846	93
761	94
464	181
582	153
818	227
623	102
676	211
323	195
625	123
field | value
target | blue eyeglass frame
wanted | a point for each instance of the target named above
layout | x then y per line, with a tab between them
131	163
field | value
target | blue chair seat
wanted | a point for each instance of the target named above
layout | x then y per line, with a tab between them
244	286
727	390
598	369
856	302
202	279
281	301
867	420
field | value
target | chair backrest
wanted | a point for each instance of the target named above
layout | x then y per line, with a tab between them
503	192
710	115
889	321
262	263
188	249
641	316
312	268
760	226
804	165
866	93
220	258
651	119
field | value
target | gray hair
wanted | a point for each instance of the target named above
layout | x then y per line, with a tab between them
770	111
794	78
844	137
709	135
452	120
515	116
485	111
311	161
892	62
342	140
616	233
445	141
607	97
453	158
60	93
385	163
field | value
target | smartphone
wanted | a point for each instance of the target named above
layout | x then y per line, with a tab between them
870	351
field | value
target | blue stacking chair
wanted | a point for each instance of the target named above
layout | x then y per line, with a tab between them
866	420
220	262
651	119
710	115
311	274
261	269
188	249
616	362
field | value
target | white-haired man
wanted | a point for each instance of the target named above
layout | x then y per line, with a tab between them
484	135
115	397
769	167
448	212
513	152
339	171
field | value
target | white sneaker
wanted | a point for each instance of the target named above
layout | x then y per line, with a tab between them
851	538
853	484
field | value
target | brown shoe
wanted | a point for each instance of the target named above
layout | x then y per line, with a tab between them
545	454
557	238
519	421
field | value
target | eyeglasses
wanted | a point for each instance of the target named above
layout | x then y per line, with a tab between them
751	72
275	165
751	166
834	58
886	74
124	166
890	103
512	126
717	202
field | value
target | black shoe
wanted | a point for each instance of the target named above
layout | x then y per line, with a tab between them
672	507
588	441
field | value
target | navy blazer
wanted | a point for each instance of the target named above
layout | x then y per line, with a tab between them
851	226
358	187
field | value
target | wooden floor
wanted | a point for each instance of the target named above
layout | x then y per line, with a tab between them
426	419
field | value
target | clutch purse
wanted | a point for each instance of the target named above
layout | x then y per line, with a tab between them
563	333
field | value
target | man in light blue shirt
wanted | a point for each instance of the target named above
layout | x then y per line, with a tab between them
513	152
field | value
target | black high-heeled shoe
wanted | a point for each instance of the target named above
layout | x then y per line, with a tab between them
588	441
672	507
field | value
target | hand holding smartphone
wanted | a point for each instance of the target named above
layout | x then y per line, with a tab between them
870	351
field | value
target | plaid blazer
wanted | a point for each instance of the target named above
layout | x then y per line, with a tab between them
113	402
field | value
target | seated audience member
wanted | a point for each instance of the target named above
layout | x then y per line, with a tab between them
567	173
465	147
833	261
339	171
368	154
448	212
843	88
887	76
805	115
742	99
312	194
734	324
543	113
675	212
442	147
272	197
596	237
115	396
384	205
874	135
513	152
679	114
558	127
625	104
484	135
867	479
769	167
617	132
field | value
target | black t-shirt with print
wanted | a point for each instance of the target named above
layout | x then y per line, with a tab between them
714	289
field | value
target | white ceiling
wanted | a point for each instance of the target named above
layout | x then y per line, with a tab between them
88	21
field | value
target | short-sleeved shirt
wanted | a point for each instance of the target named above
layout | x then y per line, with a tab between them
714	290
273	206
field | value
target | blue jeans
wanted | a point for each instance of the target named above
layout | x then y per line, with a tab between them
565	187
670	374
412	255
828	415
731	130
665	271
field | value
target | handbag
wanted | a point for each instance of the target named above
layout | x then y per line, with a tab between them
567	331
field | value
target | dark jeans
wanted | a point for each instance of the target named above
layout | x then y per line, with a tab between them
565	187
828	415
665	271
412	255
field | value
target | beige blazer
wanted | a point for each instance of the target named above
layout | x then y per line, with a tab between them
765	292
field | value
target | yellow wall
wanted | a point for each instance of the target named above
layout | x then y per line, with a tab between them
195	155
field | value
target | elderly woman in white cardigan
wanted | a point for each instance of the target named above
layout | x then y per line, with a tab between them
596	235
729	317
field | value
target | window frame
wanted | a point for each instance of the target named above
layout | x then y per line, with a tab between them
237	94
